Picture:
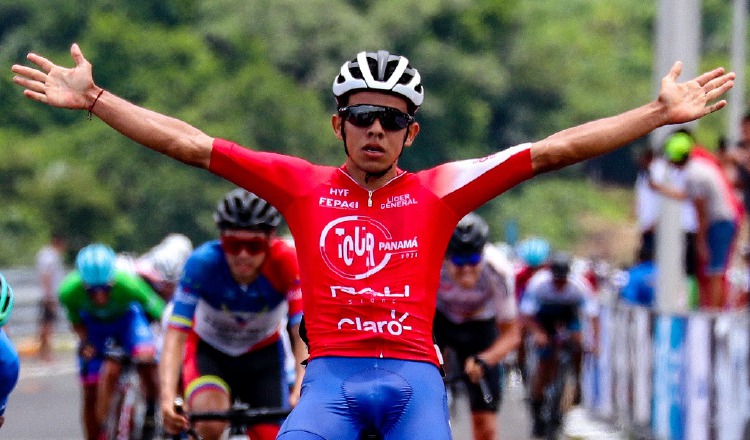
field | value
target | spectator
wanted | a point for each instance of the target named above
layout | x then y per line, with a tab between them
641	283
661	171
51	271
646	199
719	212
740	156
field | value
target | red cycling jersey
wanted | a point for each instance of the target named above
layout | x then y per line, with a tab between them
370	259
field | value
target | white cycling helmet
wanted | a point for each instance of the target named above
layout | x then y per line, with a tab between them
380	71
168	258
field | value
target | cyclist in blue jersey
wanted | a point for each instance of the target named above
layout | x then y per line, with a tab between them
9	363
110	308
225	335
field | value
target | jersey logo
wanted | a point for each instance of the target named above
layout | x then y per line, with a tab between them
394	326
355	247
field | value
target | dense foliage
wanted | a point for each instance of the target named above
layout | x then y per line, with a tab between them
258	72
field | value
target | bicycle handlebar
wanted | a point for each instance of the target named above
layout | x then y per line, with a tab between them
484	387
243	415
237	414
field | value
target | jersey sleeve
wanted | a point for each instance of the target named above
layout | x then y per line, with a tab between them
286	278
187	294
274	177
69	295
589	304
467	184
142	293
529	301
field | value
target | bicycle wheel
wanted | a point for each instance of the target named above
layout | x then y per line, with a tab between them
551	412
112	423
134	408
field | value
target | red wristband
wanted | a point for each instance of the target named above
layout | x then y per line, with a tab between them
91	107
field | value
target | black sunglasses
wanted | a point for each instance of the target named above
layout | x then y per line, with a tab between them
364	116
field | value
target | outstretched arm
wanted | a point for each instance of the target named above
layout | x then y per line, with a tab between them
74	88
677	103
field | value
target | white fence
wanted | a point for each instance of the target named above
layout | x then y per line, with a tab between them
672	376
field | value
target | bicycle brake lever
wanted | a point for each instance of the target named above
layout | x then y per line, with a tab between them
179	408
486	394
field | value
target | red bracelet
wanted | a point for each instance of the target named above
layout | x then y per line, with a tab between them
91	107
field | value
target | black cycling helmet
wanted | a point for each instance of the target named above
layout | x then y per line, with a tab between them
559	265
241	209
469	237
379	71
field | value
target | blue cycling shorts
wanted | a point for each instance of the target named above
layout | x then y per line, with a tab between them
342	397
720	238
130	332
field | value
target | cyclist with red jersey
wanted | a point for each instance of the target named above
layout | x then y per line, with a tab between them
231	310
370	236
162	265
532	255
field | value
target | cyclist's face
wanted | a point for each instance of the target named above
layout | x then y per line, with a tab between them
245	252
99	294
373	150
465	275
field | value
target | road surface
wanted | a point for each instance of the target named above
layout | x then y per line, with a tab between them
46	402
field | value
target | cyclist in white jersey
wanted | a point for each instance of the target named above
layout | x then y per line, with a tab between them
477	317
556	300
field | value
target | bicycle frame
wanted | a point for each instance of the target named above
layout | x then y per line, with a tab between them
558	393
125	420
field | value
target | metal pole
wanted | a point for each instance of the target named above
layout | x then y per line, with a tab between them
678	30
736	100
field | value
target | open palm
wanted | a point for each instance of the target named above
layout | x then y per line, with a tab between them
55	85
692	99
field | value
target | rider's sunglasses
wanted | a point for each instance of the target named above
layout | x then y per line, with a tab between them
364	116
466	260
235	245
103	288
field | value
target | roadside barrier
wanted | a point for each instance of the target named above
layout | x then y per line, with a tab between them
671	376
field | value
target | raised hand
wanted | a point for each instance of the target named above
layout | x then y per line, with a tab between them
693	99
55	85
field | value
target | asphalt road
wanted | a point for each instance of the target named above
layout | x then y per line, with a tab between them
45	404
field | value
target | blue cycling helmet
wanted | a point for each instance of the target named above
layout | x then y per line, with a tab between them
6	300
96	264
534	251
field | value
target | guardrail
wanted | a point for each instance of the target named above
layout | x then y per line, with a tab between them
25	319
